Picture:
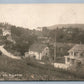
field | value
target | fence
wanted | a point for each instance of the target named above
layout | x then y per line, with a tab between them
58	65
61	65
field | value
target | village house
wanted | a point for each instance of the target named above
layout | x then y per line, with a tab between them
7	32
37	51
76	55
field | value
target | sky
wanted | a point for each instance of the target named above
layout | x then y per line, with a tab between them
39	15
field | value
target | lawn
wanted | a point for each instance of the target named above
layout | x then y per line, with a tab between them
30	69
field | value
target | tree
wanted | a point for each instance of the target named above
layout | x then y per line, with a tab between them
45	32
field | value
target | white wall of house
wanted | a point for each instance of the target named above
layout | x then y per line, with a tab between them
71	53
37	55
45	52
67	61
6	32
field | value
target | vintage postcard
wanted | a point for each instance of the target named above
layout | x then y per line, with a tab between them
42	42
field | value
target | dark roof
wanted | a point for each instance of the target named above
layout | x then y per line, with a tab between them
38	47
77	48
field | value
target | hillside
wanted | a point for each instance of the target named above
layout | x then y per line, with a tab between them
66	26
29	69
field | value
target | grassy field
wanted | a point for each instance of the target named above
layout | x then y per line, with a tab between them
30	69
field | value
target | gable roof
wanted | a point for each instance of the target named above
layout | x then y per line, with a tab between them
77	48
37	47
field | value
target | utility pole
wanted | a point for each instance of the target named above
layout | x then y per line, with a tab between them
55	47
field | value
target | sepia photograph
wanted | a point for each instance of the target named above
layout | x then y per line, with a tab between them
42	42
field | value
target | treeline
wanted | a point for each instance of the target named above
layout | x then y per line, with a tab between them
65	39
65	35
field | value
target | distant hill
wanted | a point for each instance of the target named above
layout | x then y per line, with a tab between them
66	26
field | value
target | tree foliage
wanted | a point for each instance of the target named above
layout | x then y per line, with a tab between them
24	38
65	35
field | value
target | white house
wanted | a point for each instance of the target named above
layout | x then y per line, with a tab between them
6	31
37	51
76	55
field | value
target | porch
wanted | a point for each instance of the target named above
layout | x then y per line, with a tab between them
70	60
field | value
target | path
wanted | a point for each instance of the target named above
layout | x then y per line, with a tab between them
5	52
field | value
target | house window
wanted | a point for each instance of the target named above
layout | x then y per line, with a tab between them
68	59
72	61
0	53
82	54
34	57
46	54
76	54
71	53
78	62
